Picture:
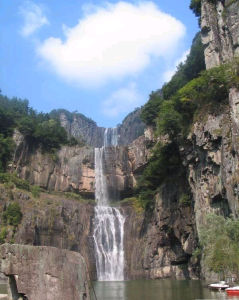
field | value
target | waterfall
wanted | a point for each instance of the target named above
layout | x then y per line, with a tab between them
109	222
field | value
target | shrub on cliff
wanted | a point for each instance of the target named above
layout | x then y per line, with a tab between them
190	69
219	238
164	164
50	135
6	149
12	215
151	108
212	87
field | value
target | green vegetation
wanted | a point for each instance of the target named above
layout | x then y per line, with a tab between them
188	97
187	71
39	129
6	149
219	239
195	6
12	215
185	200
163	165
210	89
3	234
151	108
11	180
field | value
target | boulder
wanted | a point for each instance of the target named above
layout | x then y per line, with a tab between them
49	273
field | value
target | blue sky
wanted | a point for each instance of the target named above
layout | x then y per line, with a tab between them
101	58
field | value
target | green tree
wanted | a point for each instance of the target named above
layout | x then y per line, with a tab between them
6	150
12	215
151	108
50	134
219	238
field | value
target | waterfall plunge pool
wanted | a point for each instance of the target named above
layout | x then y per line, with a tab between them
163	289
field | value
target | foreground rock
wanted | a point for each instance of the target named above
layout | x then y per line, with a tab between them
52	220
49	273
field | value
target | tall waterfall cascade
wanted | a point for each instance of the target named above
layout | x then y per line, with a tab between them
109	222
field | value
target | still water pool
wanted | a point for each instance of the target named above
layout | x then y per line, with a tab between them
164	289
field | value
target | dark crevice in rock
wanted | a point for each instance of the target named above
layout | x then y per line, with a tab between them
13	289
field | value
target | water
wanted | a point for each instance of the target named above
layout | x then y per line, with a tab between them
108	223
165	289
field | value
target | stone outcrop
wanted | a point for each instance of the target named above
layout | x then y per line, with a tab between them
131	128
52	220
72	168
160	244
82	128
37	273
85	129
220	27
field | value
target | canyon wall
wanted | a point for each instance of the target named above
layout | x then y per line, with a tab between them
159	243
220	26
87	131
72	168
36	273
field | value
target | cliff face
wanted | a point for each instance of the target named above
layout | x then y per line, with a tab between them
37	273
160	244
82	129
220	27
52	220
131	128
86	130
72	168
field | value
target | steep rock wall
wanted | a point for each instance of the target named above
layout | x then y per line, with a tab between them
52	220
220	27
160	244
72	168
86	130
37	273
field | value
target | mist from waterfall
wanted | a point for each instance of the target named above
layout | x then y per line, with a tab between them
109	222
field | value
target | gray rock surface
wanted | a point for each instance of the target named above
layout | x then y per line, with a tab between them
52	220
220	31
86	130
49	273
160	244
72	168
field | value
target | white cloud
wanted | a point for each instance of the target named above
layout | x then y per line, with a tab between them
169	73
122	101
111	42
33	17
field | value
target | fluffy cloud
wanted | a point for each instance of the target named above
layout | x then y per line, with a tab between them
122	101
111	42
33	17
169	73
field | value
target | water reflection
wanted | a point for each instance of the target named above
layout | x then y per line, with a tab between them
107	290
165	289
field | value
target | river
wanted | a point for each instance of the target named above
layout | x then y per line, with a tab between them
165	289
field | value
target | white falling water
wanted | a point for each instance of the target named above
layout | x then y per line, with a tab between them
109	222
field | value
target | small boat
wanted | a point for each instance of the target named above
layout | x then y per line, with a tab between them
218	286
233	291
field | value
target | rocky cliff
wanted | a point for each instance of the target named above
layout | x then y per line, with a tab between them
37	273
72	168
220	27
86	130
159	243
51	220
